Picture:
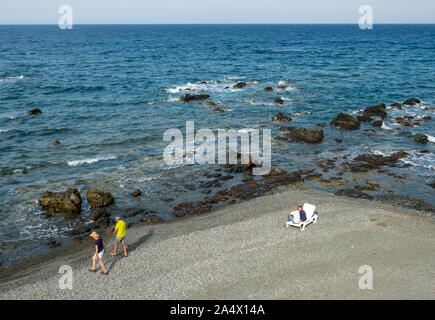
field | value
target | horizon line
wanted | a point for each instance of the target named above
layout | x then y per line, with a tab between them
224	23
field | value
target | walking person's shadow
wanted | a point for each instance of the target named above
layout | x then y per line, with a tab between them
130	249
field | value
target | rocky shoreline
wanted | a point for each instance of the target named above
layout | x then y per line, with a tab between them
229	184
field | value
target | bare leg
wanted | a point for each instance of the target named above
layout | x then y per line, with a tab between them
115	250
102	266
94	261
125	248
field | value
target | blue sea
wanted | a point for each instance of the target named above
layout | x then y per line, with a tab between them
108	93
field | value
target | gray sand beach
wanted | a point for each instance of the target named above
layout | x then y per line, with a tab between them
244	251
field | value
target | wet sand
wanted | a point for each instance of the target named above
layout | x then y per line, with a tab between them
243	251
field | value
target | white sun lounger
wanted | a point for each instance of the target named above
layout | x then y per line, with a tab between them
311	217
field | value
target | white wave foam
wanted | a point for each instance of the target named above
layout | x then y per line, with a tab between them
3	130
74	163
385	127
7	79
286	99
431	139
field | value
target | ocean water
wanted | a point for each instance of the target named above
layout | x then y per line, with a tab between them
108	93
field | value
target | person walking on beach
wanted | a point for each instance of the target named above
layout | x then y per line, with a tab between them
100	247
120	237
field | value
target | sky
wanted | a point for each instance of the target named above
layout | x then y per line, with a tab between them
215	11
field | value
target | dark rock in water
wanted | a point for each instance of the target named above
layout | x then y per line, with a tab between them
152	219
279	101
427	118
369	162
282	88
100	213
240	166
432	184
52	243
137	193
188	209
396	105
240	85
281	118
99	199
101	218
268	89
210	104
421	138
276	172
67	202
376	111
412	102
35	111
302	134
377	124
132	212
78	230
338	140
364	118
56	143
193	97
424	151
354	193
345	122
219	110
406	202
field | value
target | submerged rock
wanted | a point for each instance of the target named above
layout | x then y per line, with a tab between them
69	201
56	143
421	138
240	85
369	162
281	118
152	219
99	199
364	118
193	97
35	111
354	193
137	193
302	134
279	101
396	105
101	218
376	111
345	122
377	124
411	102
268	89
220	110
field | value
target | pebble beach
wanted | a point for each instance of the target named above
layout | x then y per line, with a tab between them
244	251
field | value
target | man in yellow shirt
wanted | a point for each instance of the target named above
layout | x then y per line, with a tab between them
120	237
